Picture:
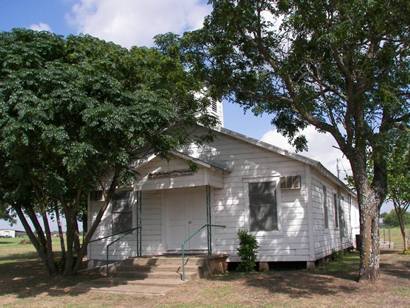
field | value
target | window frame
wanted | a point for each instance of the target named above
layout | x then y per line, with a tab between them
246	223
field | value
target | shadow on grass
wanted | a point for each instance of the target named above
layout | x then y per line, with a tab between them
335	277
396	264
324	280
18	257
23	275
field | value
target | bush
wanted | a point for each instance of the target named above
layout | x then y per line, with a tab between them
247	251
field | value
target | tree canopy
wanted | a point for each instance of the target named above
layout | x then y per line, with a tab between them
341	66
75	113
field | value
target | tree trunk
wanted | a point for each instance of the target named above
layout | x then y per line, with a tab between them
108	195
34	240
49	244
49	260
369	250
401	212
60	234
369	199
69	262
404	236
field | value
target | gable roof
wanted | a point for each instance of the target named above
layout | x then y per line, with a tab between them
269	147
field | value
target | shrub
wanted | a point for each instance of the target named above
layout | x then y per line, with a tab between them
247	251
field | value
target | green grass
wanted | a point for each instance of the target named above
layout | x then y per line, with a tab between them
20	249
342	265
395	236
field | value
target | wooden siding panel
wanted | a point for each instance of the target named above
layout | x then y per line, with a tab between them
230	204
329	240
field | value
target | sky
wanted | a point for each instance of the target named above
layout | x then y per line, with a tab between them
135	22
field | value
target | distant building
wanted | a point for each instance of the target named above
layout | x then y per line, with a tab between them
11	233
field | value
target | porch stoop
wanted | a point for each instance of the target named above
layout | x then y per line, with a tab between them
149	275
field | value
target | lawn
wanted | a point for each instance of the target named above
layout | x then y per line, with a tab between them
395	236
20	249
23	283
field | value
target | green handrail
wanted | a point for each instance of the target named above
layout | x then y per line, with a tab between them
190	238
124	233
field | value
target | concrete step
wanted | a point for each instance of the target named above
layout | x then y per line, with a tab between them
155	275
152	261
155	268
115	281
146	275
132	290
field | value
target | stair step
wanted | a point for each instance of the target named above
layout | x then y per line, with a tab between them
133	290
140	282
156	268
146	275
163	261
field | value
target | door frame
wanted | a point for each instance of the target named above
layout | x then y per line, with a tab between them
165	217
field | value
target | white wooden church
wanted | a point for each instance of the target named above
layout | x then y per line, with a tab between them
202	195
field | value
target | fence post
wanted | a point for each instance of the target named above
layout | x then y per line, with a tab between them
389	237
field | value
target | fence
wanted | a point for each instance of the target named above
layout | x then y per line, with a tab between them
391	238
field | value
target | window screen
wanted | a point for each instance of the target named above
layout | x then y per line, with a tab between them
121	212
263	206
325	210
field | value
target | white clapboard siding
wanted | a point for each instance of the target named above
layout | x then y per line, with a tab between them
301	235
230	205
127	246
328	240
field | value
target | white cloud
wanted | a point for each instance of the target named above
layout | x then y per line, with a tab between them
321	148
135	22
40	27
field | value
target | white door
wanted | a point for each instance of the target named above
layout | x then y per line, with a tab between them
186	213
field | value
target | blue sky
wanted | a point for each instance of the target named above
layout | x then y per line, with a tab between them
135	22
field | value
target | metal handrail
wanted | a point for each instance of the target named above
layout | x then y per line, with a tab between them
124	233
190	238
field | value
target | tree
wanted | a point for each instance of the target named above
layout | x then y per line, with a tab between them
75	113
6	214
341	66
390	219
399	182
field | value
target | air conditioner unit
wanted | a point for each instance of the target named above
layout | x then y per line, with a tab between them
290	182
